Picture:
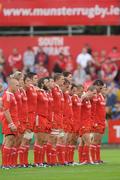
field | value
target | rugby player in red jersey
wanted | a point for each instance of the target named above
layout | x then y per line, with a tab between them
67	119
32	101
18	76
49	85
23	122
99	126
51	144
93	101
21	141
31	93
76	107
10	121
57	125
85	127
41	124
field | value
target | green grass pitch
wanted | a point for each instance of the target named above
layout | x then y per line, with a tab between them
107	171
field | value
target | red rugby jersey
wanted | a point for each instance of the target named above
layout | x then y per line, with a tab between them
50	106
10	103
42	103
18	98
31	92
68	111
86	112
58	100
93	109
76	105
24	104
100	109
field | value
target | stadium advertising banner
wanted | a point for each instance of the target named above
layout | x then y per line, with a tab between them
57	12
53	45
114	131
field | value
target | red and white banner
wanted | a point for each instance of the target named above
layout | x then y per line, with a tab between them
59	12
53	45
114	131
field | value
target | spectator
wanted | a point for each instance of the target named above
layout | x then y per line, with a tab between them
91	71
60	64
83	58
68	76
88	47
2	74
69	63
116	112
3	87
97	63
111	99
108	71
88	82
1	106
114	56
40	70
96	56
2	59
118	94
15	60
96	59
79	75
41	57
103	56
28	59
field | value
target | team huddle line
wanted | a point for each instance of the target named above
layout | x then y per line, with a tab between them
58	113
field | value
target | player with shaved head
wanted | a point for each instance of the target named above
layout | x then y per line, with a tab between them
10	122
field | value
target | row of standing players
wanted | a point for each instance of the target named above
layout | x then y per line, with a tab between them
59	114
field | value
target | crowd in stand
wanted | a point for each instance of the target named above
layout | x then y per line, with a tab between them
86	67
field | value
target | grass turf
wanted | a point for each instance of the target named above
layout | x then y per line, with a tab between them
107	171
